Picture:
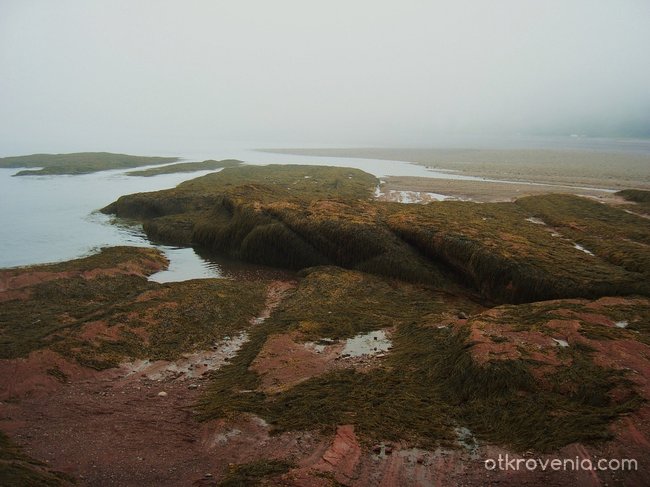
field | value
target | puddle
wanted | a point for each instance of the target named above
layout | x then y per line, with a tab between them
420	197
404	196
184	264
320	345
194	263
411	197
621	324
194	365
372	343
189	366
561	343
536	221
438	196
582	249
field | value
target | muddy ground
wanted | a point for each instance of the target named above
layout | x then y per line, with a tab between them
136	424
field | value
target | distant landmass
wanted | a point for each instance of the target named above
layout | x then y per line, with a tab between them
78	162
186	167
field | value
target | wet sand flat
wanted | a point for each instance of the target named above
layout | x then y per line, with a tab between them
613	170
419	189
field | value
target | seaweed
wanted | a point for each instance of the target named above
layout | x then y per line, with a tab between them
172	318
253	473
301	216
19	470
428	384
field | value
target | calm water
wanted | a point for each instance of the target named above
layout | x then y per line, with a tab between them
54	218
187	263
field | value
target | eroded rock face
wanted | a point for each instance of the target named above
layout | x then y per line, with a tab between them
288	359
284	361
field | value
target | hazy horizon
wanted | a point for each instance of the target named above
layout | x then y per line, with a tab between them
161	76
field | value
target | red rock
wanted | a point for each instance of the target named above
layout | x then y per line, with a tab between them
343	455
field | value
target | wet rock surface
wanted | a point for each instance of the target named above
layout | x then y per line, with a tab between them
355	375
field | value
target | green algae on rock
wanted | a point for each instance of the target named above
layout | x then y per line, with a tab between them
101	309
303	216
443	371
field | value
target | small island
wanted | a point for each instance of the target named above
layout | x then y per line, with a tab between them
78	163
186	167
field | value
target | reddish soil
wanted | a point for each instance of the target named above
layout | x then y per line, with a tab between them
284	361
18	294
100	330
107	429
112	428
494	341
10	280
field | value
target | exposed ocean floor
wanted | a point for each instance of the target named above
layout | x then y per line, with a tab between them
311	326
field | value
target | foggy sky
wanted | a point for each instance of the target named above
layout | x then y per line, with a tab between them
153	75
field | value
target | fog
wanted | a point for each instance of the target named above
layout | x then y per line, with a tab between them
153	76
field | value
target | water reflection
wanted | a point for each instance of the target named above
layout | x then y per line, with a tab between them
184	264
190	263
193	263
54	218
236	269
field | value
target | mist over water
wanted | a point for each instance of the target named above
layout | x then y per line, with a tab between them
162	76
